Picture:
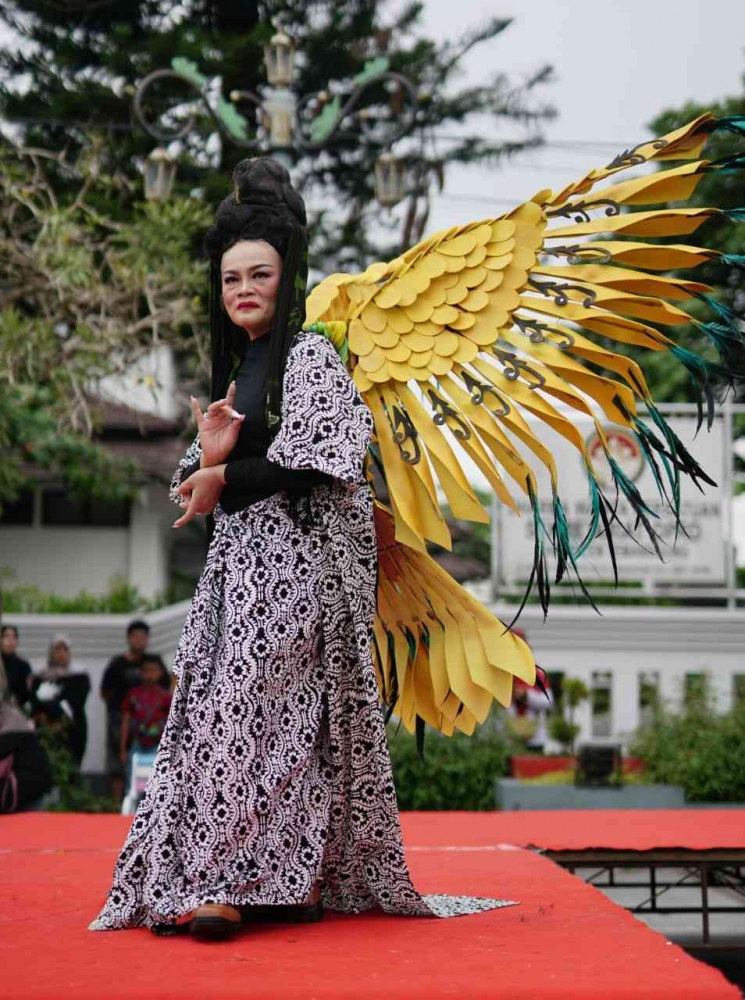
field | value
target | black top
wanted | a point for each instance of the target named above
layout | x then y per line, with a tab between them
30	766
18	673
249	475
72	689
122	674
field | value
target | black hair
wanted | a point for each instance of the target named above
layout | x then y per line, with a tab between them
136	624
262	206
8	628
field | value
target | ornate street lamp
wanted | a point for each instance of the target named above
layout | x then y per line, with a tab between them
279	56
390	180
302	126
160	173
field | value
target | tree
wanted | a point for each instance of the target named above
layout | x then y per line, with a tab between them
670	382
82	297
125	274
562	726
84	57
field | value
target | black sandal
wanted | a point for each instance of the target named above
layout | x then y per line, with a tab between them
214	922
286	913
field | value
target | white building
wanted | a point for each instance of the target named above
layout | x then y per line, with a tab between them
50	541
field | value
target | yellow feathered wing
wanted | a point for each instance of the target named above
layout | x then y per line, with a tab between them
476	328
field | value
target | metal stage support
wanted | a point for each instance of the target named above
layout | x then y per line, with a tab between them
703	871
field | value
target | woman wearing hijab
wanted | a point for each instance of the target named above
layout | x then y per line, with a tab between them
59	694
272	790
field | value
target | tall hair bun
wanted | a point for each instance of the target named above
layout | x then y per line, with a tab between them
263	206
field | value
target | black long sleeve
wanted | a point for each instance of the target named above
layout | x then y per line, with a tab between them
262	476
249	475
191	469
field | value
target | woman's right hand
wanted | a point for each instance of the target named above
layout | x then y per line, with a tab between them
218	428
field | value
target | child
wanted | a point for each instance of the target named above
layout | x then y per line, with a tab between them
144	710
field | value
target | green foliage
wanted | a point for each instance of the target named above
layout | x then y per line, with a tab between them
698	748
120	599
669	380
73	797
564	732
573	692
30	434
64	84
567	777
457	772
561	725
84	297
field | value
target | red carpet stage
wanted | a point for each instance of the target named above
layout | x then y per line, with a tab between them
564	940
565	830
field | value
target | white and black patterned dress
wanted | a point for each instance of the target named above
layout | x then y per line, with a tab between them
273	771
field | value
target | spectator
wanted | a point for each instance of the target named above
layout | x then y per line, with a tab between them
58	699
18	671
144	710
122	674
25	774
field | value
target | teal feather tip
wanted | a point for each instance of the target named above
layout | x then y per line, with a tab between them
734	214
733	259
727	123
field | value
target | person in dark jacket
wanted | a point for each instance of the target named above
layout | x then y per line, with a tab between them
122	674
18	671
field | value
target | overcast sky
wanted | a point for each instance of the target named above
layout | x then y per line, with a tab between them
617	63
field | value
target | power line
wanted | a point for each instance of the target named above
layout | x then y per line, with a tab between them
573	144
555	143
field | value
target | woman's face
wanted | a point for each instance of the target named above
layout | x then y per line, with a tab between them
60	655
251	271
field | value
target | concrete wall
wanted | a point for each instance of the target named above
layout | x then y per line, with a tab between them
63	560
66	560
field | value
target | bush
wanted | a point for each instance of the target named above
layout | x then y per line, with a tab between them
73	797
697	748
121	599
457	772
564	732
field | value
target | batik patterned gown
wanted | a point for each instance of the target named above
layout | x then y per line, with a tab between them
273	771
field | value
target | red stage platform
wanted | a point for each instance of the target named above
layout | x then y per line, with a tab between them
564	940
565	830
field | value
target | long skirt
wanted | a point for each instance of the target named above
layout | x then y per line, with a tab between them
273	771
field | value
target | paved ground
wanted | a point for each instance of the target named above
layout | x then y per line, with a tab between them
727	929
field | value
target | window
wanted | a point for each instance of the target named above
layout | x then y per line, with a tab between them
601	701
695	688
60	509
649	696
738	690
19	511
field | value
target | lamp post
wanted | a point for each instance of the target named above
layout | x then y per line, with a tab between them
390	180
298	126
160	174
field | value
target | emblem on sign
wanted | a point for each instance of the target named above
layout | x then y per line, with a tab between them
624	450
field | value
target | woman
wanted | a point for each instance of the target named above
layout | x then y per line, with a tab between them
59	694
25	774
272	786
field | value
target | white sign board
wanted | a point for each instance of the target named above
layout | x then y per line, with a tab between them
698	558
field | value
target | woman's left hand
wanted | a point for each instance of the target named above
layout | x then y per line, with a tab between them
200	492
